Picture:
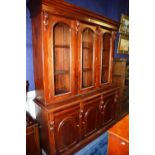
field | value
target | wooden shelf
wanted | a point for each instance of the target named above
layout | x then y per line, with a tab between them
106	50
115	74
105	66
61	72
60	91
61	46
88	48
87	69
87	44
104	81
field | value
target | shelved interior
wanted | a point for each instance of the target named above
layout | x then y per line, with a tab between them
62	58
105	57
87	58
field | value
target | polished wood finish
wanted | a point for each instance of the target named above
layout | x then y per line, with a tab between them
121	79
61	58
118	140
107	114
70	49
66	123
106	40
86	40
75	98
121	128
90	112
32	137
86	116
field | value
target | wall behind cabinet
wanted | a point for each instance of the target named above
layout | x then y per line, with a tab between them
109	8
29	54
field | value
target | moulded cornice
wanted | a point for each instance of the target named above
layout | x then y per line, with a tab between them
68	10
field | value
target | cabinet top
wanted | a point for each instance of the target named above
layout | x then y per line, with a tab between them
71	11
121	129
77	99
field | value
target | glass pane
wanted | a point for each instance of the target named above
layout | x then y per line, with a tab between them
87	58
61	58
105	57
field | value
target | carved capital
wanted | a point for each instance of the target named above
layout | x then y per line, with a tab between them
98	30
45	20
77	24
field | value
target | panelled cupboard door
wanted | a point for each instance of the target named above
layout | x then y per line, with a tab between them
86	57
107	109
66	128
106	40
60	57
90	116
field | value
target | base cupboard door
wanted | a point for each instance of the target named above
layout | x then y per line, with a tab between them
66	129
107	109
90	117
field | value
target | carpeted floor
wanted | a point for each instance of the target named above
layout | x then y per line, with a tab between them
97	147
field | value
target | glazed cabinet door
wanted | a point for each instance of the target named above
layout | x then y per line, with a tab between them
59	38
66	128
90	116
86	56
106	55
107	109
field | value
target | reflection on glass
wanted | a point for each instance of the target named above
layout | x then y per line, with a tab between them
87	58
105	57
61	58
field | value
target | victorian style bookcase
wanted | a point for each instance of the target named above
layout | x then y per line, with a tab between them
73	55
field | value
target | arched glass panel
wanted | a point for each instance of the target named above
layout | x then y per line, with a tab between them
61	56
105	57
87	58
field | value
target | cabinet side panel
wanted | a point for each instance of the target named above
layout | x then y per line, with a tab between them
38	56
42	119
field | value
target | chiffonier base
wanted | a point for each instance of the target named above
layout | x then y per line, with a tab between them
67	127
